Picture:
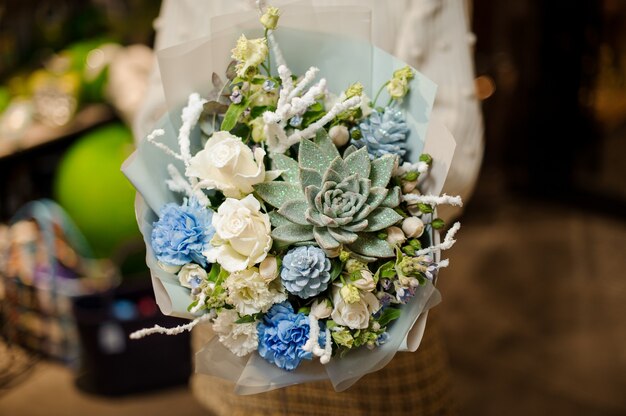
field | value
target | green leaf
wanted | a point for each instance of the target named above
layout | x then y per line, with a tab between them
277	220
388	315
277	193
326	145
311	156
392	199
358	162
258	111
310	177
295	211
369	245
248	319
382	169
287	165
335	269
386	271
232	114
382	218
214	273
293	233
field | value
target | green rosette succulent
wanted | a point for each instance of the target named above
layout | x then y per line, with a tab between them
340	202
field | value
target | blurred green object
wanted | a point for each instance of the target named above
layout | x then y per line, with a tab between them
5	98
93	190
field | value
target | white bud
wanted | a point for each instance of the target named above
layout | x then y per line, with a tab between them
395	236
321	309
339	135
366	282
408	186
413	227
191	275
268	269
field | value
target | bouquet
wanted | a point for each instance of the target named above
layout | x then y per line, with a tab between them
296	219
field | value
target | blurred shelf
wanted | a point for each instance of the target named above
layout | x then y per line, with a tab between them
40	134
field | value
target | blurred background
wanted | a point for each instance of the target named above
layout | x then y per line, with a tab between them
533	317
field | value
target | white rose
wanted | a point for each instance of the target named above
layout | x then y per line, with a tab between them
249	293
242	234
227	164
354	315
192	276
412	227
241	339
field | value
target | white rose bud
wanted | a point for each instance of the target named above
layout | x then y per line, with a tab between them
269	19
191	276
413	227
395	236
366	282
397	88
321	309
339	135
170	268
268	269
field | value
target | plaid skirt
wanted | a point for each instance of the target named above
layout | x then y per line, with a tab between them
411	384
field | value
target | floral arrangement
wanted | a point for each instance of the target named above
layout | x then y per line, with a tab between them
301	232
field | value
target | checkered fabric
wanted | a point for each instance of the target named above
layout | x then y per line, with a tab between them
412	384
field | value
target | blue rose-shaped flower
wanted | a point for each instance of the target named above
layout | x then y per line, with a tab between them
384	133
306	271
182	233
282	333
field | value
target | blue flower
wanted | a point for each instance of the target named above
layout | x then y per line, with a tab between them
305	271
282	333
182	233
384	133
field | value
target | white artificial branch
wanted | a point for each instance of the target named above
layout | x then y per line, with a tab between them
310	131
447	243
420	167
152	139
189	117
179	184
157	329
413	199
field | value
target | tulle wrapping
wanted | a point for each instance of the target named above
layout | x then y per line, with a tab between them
343	58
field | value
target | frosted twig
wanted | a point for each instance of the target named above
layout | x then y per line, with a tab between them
313	128
179	184
152	139
443	263
447	243
309	76
189	116
157	329
420	167
199	303
413	199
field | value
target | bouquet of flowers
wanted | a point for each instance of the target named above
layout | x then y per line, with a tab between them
297	220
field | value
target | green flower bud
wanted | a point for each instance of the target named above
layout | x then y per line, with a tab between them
356	134
425	208
344	256
411	176
350	293
270	18
408	250
404	73
343	337
353	265
438	224
415	243
425	157
354	90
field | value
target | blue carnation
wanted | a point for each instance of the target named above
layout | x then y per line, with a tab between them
384	133
305	271
182	233
282	333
